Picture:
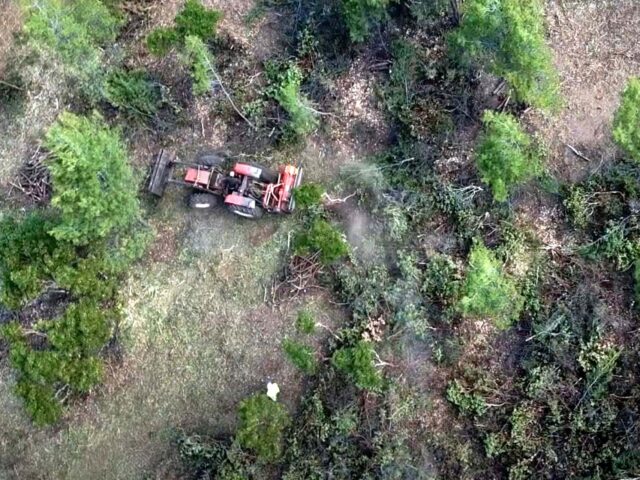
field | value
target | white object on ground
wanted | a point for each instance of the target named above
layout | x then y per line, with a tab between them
272	391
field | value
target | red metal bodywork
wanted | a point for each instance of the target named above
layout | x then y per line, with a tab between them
247	170
198	177
239	200
277	196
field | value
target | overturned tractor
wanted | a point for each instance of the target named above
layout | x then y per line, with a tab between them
248	189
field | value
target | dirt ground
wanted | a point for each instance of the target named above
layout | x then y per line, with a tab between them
596	50
10	23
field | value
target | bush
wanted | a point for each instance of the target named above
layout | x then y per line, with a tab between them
506	156
323	238
487	291
194	20
626	124
69	362
93	185
29	254
134	93
616	246
308	195
358	363
75	31
161	40
441	280
302	356
468	403
286	91
199	60
508	36
361	15
305	323
262	426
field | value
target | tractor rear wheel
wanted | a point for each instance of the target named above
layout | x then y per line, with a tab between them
268	175
209	159
246	212
202	201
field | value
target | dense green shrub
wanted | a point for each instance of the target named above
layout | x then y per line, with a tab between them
487	291
469	403
358	363
616	246
626	124
305	322
194	20
29	254
508	36
262	426
308	195
441	280
200	63
506	155
161	40
323	238
361	15
134	93
69	362
302	356
93	185
75	31
285	89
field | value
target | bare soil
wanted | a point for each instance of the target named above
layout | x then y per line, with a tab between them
596	50
10	24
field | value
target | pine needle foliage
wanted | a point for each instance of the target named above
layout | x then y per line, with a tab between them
200	63
262	426
29	252
285	90
361	15
69	363
357	363
134	93
324	238
508	37
487	291
626	124
93	184
194	20
302	356
75	31
506	155
305	323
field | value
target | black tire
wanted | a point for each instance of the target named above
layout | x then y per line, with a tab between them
268	175
252	213
210	159
202	201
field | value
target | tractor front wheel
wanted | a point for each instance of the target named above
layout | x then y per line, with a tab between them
209	159
246	212
203	201
268	175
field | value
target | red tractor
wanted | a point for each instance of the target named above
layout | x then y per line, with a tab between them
247	190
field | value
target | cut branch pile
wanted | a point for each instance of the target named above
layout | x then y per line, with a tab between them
34	179
299	276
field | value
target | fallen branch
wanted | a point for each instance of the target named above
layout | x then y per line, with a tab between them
11	85
578	153
224	90
333	201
